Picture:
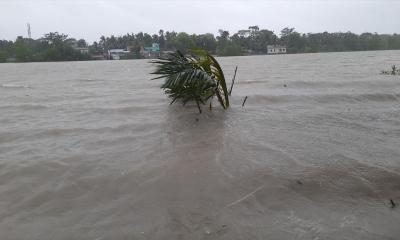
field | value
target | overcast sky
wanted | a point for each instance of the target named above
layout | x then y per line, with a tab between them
89	19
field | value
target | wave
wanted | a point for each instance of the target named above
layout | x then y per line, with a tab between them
329	98
10	85
90	80
127	110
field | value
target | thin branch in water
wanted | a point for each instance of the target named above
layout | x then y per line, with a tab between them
244	101
392	204
245	197
233	81
394	70
198	106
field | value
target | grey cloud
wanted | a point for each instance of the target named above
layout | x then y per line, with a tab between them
90	19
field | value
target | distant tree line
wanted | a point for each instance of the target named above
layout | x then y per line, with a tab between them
51	47
58	47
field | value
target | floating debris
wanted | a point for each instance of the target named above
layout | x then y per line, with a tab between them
233	81
392	204
394	71
207	231
244	101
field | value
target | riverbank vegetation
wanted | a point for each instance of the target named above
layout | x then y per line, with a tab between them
52	47
58	47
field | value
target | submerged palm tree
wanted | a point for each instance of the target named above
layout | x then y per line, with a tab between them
196	77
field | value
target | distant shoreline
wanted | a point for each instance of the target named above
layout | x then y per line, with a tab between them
56	46
254	55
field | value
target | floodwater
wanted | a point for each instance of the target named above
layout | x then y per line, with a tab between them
93	150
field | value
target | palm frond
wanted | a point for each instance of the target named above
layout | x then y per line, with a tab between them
197	77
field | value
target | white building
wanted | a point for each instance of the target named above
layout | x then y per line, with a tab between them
276	49
82	50
115	54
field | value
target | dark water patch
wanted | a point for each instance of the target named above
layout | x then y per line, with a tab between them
350	177
125	110
90	80
382	97
342	85
6	137
326	98
23	107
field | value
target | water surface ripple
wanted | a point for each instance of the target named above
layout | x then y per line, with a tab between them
93	150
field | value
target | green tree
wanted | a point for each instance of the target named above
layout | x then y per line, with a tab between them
182	42
229	49
161	38
55	38
22	51
206	41
3	56
81	43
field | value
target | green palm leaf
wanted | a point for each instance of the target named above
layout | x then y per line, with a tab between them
197	77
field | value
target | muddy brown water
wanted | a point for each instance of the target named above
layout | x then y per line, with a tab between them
93	150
